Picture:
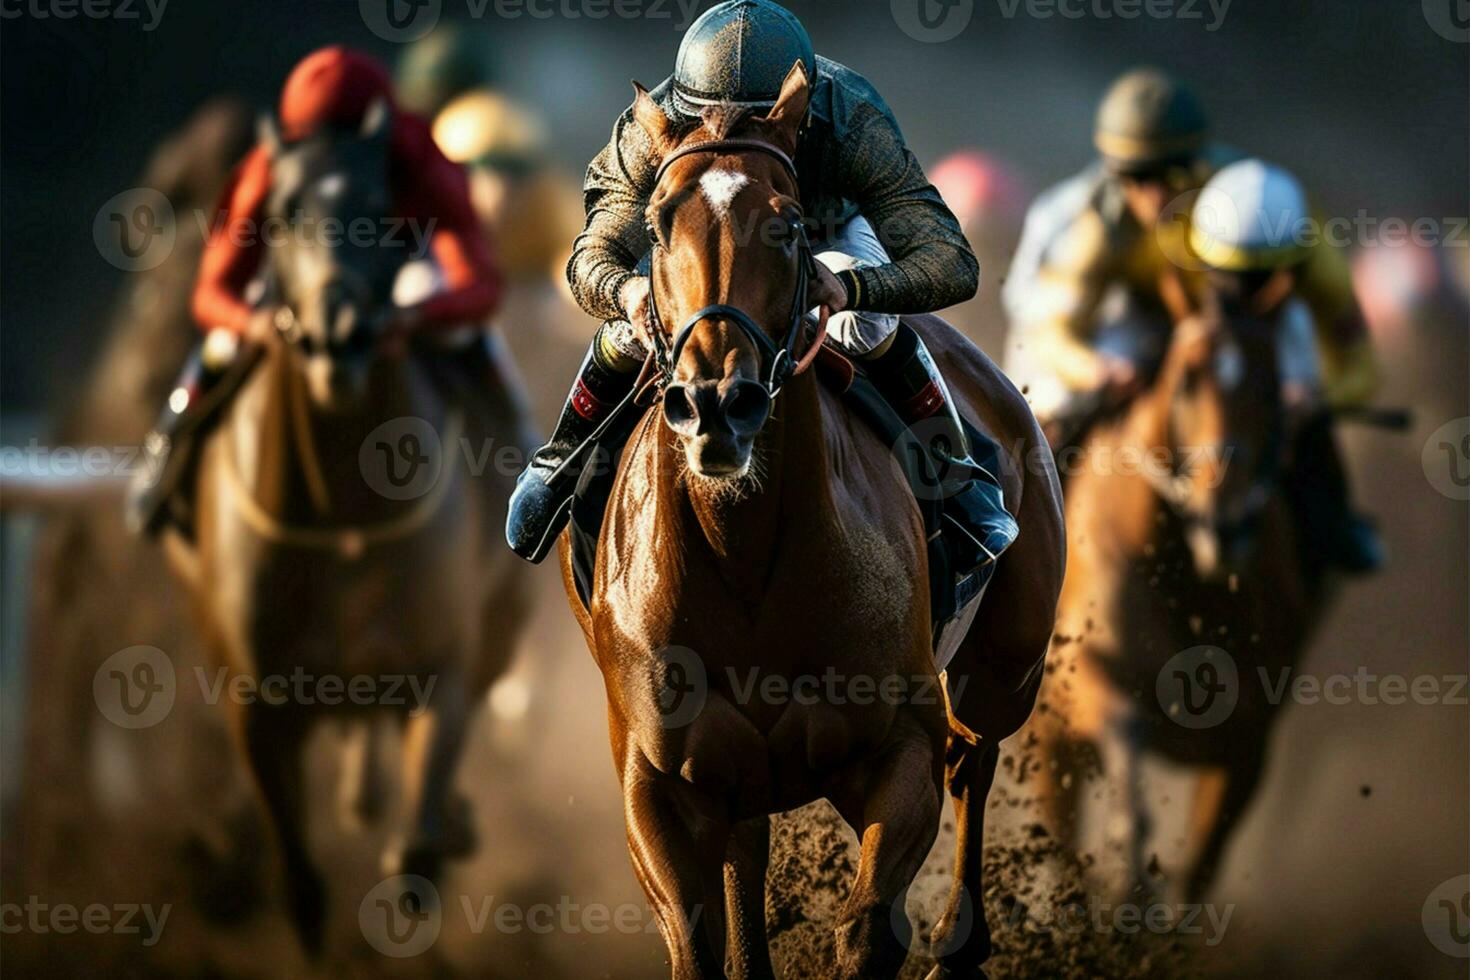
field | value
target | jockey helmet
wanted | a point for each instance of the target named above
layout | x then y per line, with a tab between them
332	87
446	62
1249	217
483	128
1149	122
739	51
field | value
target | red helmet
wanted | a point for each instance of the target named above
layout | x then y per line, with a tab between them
331	87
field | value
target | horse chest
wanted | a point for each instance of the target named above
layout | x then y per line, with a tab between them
318	610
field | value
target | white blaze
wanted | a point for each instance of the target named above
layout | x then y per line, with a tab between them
720	188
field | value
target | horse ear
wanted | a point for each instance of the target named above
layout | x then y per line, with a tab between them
268	134
789	112
375	119
652	119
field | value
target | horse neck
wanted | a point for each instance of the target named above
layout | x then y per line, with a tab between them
307	459
742	533
1127	505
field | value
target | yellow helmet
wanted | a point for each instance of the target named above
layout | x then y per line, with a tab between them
485	129
1250	216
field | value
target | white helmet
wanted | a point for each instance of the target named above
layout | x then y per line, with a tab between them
1251	215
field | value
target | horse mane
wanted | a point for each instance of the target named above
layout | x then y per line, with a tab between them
724	118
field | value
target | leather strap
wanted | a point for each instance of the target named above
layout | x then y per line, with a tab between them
726	146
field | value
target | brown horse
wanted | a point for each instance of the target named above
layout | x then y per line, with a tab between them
1187	588
346	561
748	552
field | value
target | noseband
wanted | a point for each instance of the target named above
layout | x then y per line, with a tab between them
777	363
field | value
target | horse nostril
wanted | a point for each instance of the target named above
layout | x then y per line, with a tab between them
680	411
746	406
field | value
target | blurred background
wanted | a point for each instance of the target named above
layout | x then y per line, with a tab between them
1366	808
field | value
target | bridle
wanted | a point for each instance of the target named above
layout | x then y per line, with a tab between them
778	364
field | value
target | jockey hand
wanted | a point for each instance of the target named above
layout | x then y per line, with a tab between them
827	290
1301	402
635	298
261	325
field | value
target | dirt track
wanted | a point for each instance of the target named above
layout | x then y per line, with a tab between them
1363	813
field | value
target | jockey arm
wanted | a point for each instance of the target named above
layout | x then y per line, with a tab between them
1056	311
473	284
933	265
232	252
1350	372
619	180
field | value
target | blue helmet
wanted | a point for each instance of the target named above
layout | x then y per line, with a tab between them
739	51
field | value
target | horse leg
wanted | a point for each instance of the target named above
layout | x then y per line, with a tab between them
1220	798
273	742
360	789
969	772
1059	778
991	686
896	824
1132	825
748	854
679	862
432	741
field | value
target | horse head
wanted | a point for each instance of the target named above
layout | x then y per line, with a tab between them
332	260
729	248
1221	401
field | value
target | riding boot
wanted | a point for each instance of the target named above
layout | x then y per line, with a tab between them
541	502
974	504
1332	530
168	447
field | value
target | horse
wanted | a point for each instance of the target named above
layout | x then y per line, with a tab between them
339	536
1188	593
782	545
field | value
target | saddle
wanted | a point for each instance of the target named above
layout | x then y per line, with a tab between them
953	596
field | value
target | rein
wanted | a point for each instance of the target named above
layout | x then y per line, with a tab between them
349	541
778	364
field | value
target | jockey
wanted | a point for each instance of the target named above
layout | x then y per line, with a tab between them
885	241
442	65
330	90
1246	230
1104	268
1087	291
